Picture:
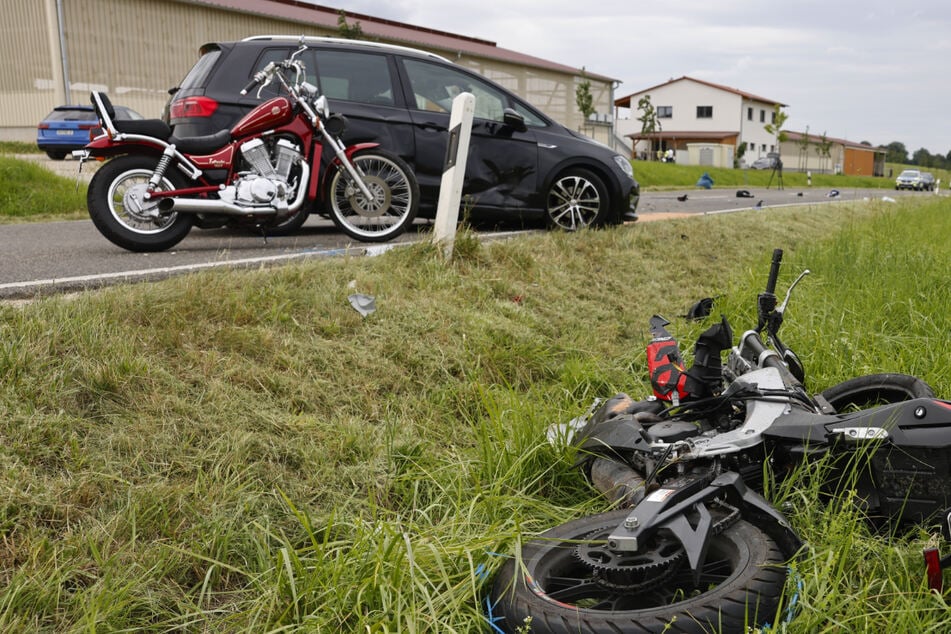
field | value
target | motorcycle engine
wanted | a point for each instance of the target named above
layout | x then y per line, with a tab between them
268	181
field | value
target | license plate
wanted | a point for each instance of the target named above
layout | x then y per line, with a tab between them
64	132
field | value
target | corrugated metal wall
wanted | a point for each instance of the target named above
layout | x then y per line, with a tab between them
137	49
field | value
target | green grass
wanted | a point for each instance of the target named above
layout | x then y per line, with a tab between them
19	147
657	175
241	451
31	192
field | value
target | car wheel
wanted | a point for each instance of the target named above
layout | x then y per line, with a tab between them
577	199
56	155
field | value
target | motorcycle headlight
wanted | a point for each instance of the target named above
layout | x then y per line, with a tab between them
624	164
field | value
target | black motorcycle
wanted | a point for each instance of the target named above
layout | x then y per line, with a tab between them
693	546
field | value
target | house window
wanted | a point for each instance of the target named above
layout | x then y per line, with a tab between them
773	118
762	116
665	112
704	112
749	114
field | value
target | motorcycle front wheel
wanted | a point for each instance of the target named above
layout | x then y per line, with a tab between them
118	207
567	581
392	206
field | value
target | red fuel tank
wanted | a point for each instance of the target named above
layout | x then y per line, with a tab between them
270	114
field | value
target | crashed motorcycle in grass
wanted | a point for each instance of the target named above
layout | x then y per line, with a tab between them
265	173
693	546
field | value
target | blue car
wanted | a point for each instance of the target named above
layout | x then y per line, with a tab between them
70	128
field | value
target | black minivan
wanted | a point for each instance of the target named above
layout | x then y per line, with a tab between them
520	161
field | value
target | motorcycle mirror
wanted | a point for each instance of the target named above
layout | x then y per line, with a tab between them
795	365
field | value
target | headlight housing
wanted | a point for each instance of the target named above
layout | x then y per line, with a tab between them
624	164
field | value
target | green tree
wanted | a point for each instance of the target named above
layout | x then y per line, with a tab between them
775	127
895	152
649	121
346	31
583	96
922	158
804	144
824	150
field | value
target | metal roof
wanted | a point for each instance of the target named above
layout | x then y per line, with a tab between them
625	102
451	45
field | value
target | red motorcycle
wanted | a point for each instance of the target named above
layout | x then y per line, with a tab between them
265	173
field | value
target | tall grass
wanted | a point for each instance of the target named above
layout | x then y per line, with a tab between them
241	451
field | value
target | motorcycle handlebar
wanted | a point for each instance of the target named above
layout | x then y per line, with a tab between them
251	84
774	271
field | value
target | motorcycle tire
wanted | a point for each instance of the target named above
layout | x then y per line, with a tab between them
863	392
290	226
395	199
551	590
123	217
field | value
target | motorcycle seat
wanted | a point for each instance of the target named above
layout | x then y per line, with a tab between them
201	144
145	127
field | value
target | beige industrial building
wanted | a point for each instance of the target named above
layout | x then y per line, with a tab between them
56	51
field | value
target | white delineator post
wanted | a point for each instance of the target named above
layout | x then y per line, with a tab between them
454	171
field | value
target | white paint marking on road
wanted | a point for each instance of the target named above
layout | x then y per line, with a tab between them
165	271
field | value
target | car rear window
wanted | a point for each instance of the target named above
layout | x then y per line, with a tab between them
70	114
197	77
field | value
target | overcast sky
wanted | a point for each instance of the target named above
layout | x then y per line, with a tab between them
872	70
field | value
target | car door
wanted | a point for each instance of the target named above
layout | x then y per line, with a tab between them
502	164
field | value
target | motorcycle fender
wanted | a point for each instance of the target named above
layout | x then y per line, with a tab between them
353	149
103	146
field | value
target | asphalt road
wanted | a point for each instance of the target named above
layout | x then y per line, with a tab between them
43	258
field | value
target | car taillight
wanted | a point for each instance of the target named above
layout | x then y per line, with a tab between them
44	126
193	107
88	126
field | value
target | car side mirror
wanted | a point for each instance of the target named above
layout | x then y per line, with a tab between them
513	120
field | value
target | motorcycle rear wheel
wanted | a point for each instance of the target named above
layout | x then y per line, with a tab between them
871	390
394	203
123	216
740	586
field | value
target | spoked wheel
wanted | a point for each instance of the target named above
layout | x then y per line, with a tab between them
119	209
872	390
577	199
569	581
393	203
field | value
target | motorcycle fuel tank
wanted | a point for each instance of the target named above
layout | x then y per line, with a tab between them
270	114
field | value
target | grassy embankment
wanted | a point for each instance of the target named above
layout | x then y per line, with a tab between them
241	451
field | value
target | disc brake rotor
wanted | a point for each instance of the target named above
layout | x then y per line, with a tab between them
377	205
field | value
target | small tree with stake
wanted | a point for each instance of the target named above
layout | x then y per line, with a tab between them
775	127
583	97
649	121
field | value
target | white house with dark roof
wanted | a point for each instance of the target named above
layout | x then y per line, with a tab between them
701	122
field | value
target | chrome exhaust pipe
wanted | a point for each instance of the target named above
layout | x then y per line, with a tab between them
218	206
